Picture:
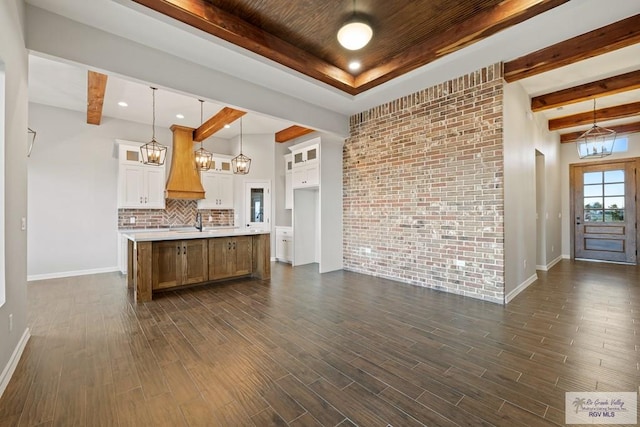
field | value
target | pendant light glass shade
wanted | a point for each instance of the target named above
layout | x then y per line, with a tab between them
355	35
202	156
152	152
241	163
596	142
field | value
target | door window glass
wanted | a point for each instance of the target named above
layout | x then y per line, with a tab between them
604	196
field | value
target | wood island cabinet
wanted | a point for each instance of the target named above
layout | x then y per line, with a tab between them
179	262
230	257
157	264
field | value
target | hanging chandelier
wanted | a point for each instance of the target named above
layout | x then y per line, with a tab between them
597	141
241	163
152	152
203	157
355	33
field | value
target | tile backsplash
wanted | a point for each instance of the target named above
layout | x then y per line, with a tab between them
176	213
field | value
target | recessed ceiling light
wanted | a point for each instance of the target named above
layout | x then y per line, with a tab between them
123	104
180	116
354	65
227	126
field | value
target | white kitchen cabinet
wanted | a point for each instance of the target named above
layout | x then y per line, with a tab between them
139	186
218	190
221	164
284	244
288	181
305	176
306	166
308	154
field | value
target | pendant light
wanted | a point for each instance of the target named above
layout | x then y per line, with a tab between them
355	33
203	157
597	141
152	152
241	163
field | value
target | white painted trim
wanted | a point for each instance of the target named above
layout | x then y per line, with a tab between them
524	285
8	370
58	275
273	259
566	256
549	265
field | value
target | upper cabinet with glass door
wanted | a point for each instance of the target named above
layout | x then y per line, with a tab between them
306	164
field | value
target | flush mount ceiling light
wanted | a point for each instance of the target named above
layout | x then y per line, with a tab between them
152	152
355	33
241	163
597	141
203	157
354	65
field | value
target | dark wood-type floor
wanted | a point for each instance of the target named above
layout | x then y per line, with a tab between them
336	349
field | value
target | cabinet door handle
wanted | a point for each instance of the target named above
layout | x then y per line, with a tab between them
146	200
178	250
234	245
140	199
229	246
184	250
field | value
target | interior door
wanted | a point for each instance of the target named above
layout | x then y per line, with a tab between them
258	205
604	200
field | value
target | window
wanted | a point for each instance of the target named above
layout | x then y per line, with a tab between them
620	145
604	196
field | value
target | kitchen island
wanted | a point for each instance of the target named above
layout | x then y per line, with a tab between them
168	259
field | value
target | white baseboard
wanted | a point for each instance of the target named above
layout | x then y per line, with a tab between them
8	370
521	287
549	265
58	275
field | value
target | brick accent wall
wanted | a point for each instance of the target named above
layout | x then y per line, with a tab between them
423	188
176	213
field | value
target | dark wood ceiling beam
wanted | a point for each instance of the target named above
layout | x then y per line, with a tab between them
225	116
96	87
620	130
479	27
292	132
215	21
606	39
609	113
597	89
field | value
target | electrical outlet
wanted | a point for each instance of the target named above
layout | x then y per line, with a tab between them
552	248
23	223
132	220
525	264
10	322
460	263
210	218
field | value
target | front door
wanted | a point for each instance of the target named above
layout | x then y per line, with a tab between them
604	208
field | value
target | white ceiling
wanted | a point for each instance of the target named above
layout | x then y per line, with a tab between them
64	85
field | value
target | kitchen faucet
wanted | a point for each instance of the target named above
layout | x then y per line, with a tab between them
199	221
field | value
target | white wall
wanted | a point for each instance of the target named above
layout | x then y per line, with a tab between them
73	169
568	156
14	56
525	133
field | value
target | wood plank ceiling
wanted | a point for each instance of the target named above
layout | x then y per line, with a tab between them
302	34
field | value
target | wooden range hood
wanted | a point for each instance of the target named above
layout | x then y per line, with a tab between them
184	180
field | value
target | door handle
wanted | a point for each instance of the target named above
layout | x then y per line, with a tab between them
578	223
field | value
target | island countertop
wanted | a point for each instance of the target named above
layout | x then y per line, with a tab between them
187	234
